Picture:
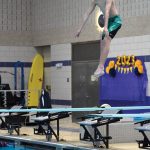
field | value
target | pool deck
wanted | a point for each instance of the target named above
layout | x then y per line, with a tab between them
69	135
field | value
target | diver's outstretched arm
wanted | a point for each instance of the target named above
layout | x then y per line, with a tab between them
86	16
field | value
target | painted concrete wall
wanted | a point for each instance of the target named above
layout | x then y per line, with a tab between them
10	55
15	22
61	75
56	21
47	22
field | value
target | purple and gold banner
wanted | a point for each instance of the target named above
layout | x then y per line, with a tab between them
125	80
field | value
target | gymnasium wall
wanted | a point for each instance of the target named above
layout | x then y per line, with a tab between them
15	38
61	74
55	21
9	55
27	22
15	22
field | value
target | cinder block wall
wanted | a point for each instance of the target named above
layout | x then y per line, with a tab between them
56	21
15	22
15	37
38	22
10	55
61	76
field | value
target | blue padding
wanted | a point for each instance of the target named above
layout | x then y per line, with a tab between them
138	119
143	128
88	122
120	115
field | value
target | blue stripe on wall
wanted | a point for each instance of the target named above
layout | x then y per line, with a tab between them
68	62
47	64
53	63
61	102
64	62
27	64
12	64
148	98
147	59
69	103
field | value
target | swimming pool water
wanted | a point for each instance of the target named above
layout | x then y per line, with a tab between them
15	148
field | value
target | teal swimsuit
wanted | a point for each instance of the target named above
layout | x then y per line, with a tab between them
114	24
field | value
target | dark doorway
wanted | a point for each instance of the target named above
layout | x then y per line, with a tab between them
85	93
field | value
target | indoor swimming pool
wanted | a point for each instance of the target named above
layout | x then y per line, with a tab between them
18	143
16	148
12	146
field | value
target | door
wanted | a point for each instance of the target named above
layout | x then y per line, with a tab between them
85	93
